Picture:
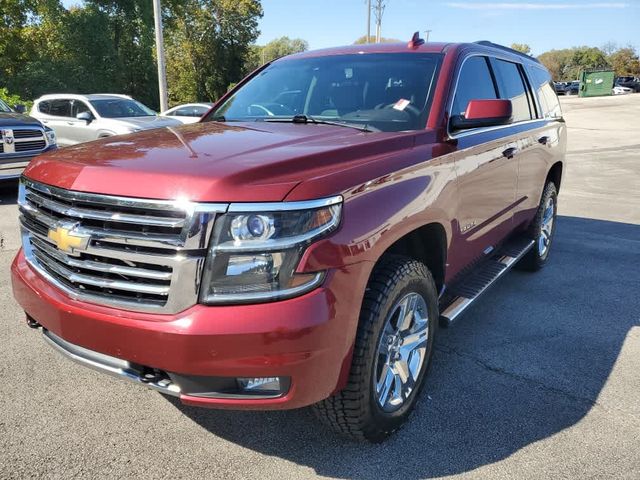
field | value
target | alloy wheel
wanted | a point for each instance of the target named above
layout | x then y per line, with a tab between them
402	350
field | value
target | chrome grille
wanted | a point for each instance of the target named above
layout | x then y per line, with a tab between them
22	140
141	255
27	133
30	146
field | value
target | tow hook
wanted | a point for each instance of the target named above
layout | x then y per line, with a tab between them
31	323
152	376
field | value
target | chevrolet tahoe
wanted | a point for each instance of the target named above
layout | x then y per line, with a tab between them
305	241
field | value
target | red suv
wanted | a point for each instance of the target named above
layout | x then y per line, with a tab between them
302	244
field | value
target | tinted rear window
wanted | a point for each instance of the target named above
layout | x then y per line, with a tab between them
59	108
546	92
512	87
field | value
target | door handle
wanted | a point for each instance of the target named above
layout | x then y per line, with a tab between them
45	121
510	152
70	123
543	140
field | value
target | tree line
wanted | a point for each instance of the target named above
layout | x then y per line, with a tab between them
109	46
566	64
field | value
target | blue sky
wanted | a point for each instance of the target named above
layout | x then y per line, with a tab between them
543	24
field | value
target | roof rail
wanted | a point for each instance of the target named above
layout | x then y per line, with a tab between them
487	43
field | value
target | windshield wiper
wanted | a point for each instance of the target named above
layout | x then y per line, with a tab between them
301	118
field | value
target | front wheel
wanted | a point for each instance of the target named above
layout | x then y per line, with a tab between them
392	353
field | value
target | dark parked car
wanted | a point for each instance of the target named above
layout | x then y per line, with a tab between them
304	242
21	139
629	82
573	88
560	87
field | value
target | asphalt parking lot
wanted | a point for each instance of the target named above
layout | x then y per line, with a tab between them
539	380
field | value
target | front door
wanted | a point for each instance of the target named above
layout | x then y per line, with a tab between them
486	168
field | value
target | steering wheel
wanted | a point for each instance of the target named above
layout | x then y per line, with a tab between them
263	108
273	109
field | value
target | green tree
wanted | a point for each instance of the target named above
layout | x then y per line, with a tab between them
208	43
566	64
372	39
625	61
280	47
521	47
283	46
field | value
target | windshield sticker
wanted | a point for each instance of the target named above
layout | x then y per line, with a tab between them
401	104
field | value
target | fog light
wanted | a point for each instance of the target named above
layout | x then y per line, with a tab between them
260	384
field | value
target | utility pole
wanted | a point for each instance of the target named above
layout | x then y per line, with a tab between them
427	32
379	11
162	71
368	22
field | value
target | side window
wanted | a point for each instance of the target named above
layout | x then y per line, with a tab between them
79	107
199	111
44	106
546	93
474	83
60	108
513	87
184	112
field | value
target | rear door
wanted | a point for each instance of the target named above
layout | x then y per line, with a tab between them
56	114
548	138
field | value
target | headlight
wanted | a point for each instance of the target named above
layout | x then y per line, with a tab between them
256	249
51	136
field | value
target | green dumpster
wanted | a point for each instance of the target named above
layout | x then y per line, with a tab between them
596	83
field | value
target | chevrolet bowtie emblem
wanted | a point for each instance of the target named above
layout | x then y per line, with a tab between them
67	239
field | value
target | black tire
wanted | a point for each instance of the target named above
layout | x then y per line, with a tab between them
355	411
537	257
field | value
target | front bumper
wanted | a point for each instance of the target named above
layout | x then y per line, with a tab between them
307	339
12	167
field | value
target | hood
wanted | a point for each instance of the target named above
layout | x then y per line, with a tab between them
144	123
17	120
213	162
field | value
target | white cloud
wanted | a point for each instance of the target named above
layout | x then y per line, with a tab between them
534	6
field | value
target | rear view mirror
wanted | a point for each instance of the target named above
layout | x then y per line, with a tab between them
86	116
20	108
483	113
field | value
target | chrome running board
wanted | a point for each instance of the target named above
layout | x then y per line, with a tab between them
463	294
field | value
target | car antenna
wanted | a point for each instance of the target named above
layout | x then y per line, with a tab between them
415	41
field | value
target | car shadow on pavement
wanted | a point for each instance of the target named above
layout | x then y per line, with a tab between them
528	361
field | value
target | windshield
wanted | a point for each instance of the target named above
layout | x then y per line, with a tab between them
387	92
121	108
4	108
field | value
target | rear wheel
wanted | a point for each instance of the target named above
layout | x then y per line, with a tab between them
392	352
542	230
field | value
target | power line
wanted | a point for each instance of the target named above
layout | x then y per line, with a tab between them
378	10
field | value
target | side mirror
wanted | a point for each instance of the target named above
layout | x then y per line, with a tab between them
20	108
86	116
483	113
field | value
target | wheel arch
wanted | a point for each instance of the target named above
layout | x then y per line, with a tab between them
555	175
427	244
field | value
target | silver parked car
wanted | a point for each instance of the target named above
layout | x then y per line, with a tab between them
81	118
189	112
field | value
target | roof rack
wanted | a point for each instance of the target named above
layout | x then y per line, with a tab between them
487	43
